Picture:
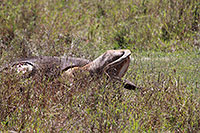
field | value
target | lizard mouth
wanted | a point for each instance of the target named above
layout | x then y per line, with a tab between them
118	69
23	67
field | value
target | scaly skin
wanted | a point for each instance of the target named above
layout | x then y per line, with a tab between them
113	63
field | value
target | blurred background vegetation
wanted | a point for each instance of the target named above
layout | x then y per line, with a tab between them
163	35
80	27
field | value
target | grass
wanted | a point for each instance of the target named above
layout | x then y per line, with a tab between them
162	35
179	65
169	101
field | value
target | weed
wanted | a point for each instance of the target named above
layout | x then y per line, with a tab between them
162	35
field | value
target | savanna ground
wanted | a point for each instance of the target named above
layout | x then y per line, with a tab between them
163	35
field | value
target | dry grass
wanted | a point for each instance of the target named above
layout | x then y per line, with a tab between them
170	77
166	102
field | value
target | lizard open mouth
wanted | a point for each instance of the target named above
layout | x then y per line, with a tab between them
119	69
23	67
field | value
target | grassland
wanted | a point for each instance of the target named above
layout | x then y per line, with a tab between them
165	43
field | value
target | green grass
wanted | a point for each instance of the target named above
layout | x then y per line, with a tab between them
181	65
163	37
169	100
